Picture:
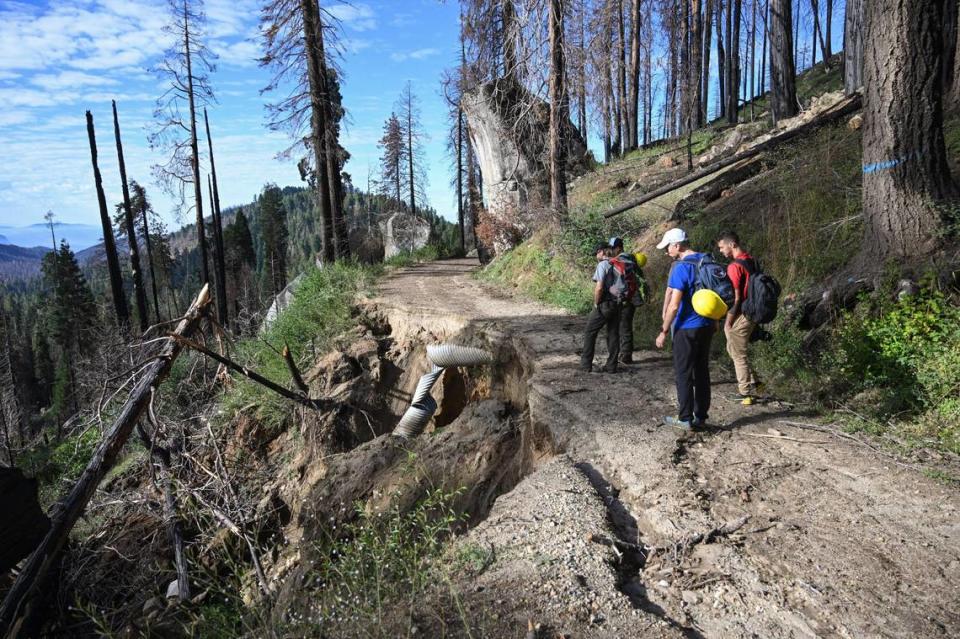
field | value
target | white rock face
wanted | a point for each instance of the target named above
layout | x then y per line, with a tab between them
509	127
404	232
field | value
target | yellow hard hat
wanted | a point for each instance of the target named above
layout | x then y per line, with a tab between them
641	259
708	304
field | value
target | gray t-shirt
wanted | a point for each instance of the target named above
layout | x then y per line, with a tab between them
604	273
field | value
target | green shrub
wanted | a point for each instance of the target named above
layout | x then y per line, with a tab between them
544	277
380	565
320	311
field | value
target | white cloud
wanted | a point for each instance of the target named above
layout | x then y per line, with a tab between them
417	54
69	80
243	53
359	17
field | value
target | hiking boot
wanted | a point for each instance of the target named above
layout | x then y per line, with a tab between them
676	422
609	370
745	400
696	422
626	360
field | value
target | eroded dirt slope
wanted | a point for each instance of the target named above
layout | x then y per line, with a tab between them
766	525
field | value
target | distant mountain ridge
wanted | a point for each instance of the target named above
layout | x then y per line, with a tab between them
80	236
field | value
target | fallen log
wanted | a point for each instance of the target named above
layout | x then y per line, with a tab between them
847	106
23	523
19	602
713	189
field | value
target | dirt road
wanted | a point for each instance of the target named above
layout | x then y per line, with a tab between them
768	524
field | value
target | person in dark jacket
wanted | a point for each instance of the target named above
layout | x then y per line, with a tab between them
605	313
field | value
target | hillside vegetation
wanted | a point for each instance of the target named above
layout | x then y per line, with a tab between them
874	366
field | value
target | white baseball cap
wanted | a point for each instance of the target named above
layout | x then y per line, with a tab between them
673	236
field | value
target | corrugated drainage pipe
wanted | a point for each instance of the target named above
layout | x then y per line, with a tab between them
423	405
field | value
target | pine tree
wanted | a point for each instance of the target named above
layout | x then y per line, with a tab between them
273	224
392	159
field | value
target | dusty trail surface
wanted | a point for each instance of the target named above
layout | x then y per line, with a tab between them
765	525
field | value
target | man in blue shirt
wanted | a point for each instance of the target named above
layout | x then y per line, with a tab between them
605	313
691	333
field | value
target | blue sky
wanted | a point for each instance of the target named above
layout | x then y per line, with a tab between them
58	59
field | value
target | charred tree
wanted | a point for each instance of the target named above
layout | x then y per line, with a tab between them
185	67
558	110
783	90
733	60
634	98
721	63
220	273
109	245
705	73
853	46
905	170
318	126
138	291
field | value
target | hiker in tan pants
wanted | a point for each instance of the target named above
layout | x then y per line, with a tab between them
737	327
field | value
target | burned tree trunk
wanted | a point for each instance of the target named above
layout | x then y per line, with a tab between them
341	244
853	46
733	61
705	73
19	602
138	292
721	63
109	246
633	100
195	157
558	110
783	88
318	127
219	262
905	171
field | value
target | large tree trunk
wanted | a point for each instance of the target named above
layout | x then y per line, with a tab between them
828	52
721	63
621	79
109	246
195	155
219	262
696	62
905	171
558	111
413	186
340	232
783	90
318	127
633	104
138	291
705	74
508	16
763	49
463	237
950	43
733	63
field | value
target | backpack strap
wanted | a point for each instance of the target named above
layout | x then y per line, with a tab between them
750	265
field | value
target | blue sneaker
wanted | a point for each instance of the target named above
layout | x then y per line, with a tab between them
670	420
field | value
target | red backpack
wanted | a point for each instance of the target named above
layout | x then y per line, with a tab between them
624	286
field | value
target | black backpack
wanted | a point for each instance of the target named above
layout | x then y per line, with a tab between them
763	291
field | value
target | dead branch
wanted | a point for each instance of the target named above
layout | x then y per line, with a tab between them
260	379
294	371
19	602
